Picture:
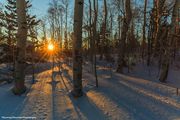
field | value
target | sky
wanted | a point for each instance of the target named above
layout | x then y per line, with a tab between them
39	7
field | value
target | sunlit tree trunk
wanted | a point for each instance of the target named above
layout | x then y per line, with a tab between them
19	86
159	8
77	49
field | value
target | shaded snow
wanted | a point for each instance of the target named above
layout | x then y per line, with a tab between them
152	73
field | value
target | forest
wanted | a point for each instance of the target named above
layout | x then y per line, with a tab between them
84	52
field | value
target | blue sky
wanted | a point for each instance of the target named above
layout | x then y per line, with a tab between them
39	6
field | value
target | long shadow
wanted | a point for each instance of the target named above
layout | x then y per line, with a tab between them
84	107
87	108
68	77
150	87
12	105
53	84
131	101
39	68
126	99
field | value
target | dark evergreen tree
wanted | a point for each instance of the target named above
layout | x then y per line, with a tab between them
9	22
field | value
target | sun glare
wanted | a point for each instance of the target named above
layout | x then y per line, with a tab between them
50	47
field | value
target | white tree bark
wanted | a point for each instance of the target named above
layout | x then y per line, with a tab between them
19	87
77	49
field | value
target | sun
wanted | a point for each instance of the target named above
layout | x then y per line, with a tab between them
50	47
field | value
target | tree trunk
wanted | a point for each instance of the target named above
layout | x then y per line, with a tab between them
66	29
168	51
19	87
149	43
95	39
158	13
105	43
144	30
164	50
126	23
90	33
164	70
104	25
119	27
77	49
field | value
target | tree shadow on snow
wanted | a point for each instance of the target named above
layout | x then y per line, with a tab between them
84	107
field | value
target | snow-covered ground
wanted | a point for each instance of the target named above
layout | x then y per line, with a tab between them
9	104
119	97
152	73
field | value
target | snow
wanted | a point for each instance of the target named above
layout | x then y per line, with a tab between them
39	100
119	97
152	73
10	104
